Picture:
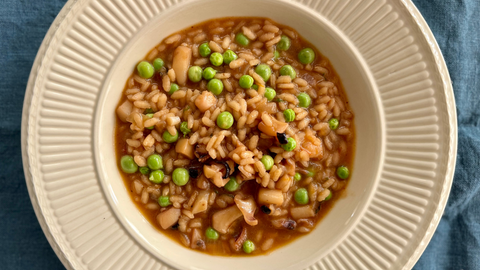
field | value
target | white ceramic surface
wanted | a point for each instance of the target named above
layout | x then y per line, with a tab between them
395	79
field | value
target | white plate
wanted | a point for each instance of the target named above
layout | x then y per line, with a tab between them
392	208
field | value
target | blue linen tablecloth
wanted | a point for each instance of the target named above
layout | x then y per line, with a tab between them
456	26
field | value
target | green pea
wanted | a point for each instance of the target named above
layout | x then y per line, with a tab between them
149	115
229	56
333	123
246	81
164	201
184	128
216	59
289	115
297	176
180	176
310	173
128	164
290	145
301	196
267	162
209	73
155	162
145	69
276	55
304	100
169	138
329	196
264	71
342	172
148	111
144	170
270	93
242	39
284	43
173	88
255	87
195	73
289	71
158	64
211	234
232	184
306	56
248	246
225	120
156	176
215	86
204	49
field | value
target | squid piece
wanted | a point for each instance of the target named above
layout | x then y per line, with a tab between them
223	219
184	148
213	173
302	212
270	196
276	127
181	62
201	202
197	240
168	218
237	245
248	207
124	110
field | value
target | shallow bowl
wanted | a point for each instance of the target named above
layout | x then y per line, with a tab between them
364	101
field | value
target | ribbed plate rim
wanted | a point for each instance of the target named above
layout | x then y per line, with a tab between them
420	23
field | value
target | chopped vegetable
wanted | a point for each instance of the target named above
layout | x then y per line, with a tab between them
155	162
204	49
169	138
242	40
229	56
180	176
128	164
215	86
267	162
290	145
225	120
301	196
145	69
248	246
164	201
211	234
284	43
264	71
156	176
158	64
184	128
342	172
195	73
333	123
306	56
216	59
288	70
